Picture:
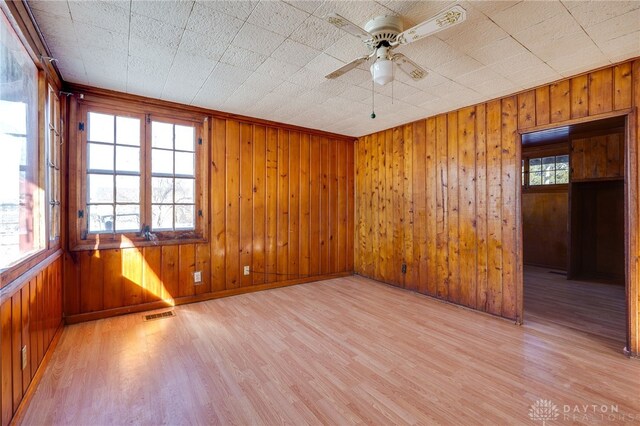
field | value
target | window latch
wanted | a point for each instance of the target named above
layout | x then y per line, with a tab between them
147	234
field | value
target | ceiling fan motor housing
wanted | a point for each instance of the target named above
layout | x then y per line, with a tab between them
384	29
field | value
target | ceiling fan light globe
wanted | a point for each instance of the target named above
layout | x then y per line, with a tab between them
382	71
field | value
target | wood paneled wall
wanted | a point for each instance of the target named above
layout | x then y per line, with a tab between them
30	315
442	195
281	203
545	228
597	157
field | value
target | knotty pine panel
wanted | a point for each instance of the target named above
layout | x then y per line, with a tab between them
281	202
30	315
455	221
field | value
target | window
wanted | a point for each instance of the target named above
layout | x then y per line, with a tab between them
172	176
54	142
21	218
142	175
548	170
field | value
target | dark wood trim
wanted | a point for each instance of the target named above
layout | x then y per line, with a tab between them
574	121
74	319
104	96
35	381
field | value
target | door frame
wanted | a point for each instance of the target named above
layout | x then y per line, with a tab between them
631	212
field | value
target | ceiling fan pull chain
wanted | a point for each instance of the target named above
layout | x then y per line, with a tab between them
373	103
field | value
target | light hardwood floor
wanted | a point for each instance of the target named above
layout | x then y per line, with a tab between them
343	351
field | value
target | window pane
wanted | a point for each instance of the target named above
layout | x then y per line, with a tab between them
100	157
100	218
162	190
562	162
161	135
185	164
162	217
100	188
185	218
184	190
549	163
100	127
535	178
127	159
185	138
161	161
128	131
534	165
127	189
127	218
549	177
562	176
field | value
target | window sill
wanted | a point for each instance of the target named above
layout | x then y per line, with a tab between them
561	187
129	241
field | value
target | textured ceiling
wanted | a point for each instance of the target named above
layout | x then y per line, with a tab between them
268	58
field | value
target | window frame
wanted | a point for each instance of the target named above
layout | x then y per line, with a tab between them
80	238
53	142
540	152
40	233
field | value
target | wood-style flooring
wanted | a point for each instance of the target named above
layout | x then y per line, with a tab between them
346	351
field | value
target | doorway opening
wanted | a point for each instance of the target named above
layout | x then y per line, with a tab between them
573	230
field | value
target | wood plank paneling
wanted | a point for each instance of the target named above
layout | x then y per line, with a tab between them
281	202
469	178
29	318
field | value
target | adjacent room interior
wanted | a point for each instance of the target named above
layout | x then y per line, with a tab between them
573	213
319	212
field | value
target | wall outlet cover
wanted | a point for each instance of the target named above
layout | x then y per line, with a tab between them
246	270
197	276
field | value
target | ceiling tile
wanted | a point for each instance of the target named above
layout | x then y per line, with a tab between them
347	48
498	50
586	57
359	12
589	13
621	48
202	45
263	82
295	53
526	14
242	58
90	36
215	24
462	65
228	72
113	16
58	27
198	68
155	32
616	27
308	6
257	39
58	8
276	68
277	16
240	9
324	64
171	12
316	33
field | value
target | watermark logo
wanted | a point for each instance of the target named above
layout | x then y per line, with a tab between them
544	410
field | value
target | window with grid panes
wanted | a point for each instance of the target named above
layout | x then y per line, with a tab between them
53	147
550	170
142	174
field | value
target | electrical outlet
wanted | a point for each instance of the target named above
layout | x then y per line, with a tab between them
404	268
197	277
24	357
246	270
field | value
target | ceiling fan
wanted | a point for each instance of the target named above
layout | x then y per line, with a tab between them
384	33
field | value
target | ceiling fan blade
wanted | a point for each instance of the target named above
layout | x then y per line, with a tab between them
348	26
409	67
351	65
441	21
